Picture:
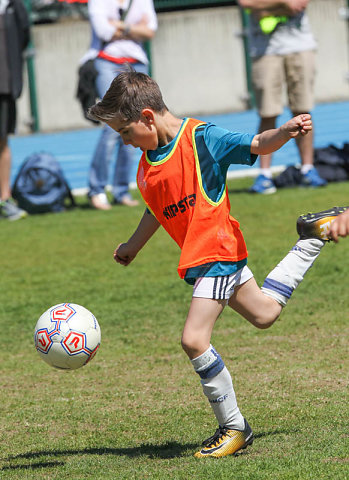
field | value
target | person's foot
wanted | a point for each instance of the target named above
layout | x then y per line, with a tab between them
10	211
317	225
100	202
263	185
226	442
312	179
127	201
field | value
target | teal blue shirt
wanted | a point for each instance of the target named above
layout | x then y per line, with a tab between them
223	148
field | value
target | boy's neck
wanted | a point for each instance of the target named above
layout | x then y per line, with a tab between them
167	127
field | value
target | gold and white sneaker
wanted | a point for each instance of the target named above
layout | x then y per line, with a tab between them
317	225
226	442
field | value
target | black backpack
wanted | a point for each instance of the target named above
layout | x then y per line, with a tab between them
40	185
290	177
332	162
86	91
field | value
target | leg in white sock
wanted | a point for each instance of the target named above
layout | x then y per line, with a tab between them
220	393
218	388
288	274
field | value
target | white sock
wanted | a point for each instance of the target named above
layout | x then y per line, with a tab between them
218	387
266	172
288	274
305	168
220	393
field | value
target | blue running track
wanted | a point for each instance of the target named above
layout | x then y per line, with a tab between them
74	149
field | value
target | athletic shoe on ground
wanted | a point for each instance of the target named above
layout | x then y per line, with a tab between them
263	185
317	225
312	179
10	211
100	202
226	442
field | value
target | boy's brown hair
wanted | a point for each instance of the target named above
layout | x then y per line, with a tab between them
128	94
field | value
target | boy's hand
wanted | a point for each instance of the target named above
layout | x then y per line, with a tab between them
123	254
271	140
299	125
126	252
118	25
340	226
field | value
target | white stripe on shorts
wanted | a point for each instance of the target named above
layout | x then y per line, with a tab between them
221	288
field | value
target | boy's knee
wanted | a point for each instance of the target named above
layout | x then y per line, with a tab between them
192	347
184	344
187	345
263	322
269	314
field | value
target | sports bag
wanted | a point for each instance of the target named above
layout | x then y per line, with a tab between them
332	162
86	91
290	177
40	185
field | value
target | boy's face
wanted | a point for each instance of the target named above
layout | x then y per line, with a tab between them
141	134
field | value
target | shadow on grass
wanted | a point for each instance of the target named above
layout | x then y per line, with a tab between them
32	466
275	432
165	451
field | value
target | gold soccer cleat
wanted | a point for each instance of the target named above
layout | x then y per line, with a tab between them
317	225
226	442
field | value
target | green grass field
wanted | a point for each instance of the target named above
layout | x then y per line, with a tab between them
137	410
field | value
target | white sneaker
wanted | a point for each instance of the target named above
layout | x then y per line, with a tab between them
10	211
100	201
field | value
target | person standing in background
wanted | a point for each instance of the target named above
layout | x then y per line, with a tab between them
119	29
282	49
14	38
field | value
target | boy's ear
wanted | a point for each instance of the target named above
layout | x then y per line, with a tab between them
148	116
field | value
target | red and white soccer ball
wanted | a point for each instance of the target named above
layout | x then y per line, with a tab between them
67	336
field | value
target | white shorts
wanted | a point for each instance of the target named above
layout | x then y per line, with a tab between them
221	288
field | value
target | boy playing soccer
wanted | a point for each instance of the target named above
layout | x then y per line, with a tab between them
182	178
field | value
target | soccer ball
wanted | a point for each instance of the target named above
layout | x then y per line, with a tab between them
67	336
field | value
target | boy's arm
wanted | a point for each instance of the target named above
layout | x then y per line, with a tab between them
262	4
126	252
275	7
271	140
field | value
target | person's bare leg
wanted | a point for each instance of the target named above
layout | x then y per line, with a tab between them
5	169
264	183
253	305
266	124
305	145
215	378
202	316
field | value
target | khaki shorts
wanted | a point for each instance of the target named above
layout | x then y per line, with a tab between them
271	72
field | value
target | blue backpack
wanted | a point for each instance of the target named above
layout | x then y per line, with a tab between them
40	185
